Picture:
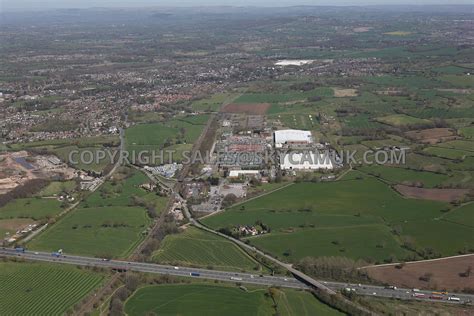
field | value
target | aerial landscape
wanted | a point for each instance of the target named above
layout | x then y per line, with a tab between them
243	159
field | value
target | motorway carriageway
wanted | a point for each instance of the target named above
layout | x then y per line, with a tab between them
235	277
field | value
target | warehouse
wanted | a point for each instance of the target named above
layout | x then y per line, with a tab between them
291	136
306	161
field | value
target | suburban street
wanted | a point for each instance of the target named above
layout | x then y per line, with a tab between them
235	277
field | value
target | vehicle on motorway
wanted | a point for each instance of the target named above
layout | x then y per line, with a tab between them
436	297
391	287
176	268
20	249
252	276
194	274
105	259
415	290
419	295
437	293
36	253
236	278
56	254
454	299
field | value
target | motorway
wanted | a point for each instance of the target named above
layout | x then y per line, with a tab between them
234	277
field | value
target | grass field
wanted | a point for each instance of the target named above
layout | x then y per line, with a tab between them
43	289
463	215
298	303
401	120
198	299
194	247
467	132
213	103
207	299
108	223
57	187
369	242
164	135
448	153
353	218
34	208
402	175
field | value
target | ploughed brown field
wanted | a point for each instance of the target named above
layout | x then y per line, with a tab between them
247	108
446	274
443	195
432	135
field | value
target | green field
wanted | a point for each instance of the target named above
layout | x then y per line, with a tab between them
369	242
164	135
206	299
100	232
213	103
402	175
34	208
194	247
467	132
352	217
299	303
57	187
109	222
463	215
401	120
448	153
43	289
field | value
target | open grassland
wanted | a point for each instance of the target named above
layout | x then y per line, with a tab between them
110	222
467	132
163	135
101	232
448	153
402	175
198	299
57	187
214	102
463	215
358	217
401	120
300	303
43	289
34	208
206	299
369	242
194	247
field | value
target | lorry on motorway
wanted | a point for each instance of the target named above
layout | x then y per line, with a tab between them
236	278
454	299
20	249
56	254
436	297
195	274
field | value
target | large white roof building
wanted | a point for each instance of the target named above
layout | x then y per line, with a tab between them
306	161
291	136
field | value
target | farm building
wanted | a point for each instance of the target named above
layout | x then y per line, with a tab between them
291	136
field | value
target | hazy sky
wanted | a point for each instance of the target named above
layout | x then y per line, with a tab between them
47	4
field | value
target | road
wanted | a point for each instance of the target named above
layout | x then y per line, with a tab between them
234	277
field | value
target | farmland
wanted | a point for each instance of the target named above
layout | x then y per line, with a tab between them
34	208
43	289
402	175
207	299
342	218
163	135
110	222
194	247
198	299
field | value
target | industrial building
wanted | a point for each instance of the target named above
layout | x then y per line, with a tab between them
291	136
